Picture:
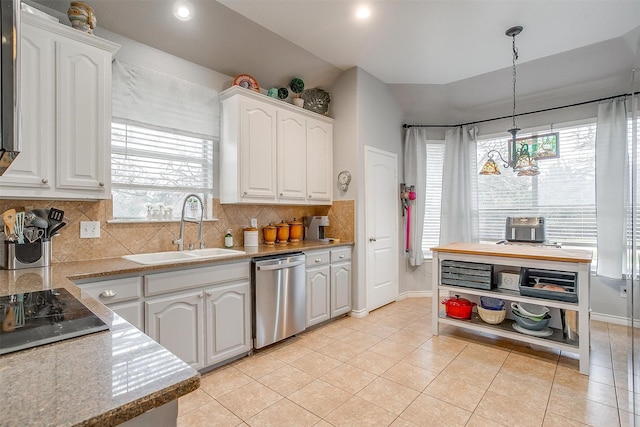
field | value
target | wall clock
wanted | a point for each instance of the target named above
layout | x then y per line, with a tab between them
344	179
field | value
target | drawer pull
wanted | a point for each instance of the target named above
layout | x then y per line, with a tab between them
318	259
200	295
109	293
45	181
341	256
209	294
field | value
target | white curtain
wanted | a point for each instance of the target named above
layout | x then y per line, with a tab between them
611	188
415	160
459	214
144	96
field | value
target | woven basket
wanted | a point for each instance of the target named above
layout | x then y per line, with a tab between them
492	317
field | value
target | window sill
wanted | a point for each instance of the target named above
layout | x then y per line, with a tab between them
153	221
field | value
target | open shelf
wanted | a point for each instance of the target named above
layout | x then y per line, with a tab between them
511	296
505	329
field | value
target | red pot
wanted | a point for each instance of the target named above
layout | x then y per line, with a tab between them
458	308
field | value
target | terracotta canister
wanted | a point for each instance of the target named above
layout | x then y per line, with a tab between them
269	234
295	232
283	233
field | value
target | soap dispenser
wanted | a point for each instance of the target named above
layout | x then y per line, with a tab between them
228	239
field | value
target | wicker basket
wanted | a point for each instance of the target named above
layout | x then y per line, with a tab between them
492	317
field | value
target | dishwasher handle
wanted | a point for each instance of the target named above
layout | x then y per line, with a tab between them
279	266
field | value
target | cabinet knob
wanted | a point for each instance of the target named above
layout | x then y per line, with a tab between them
281	194
200	296
373	239
341	256
45	181
310	196
245	193
318	259
109	293
101	184
209	294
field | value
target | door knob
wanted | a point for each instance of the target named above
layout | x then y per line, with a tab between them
372	239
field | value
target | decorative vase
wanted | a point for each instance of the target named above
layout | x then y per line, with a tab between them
82	17
269	234
283	233
295	232
298	102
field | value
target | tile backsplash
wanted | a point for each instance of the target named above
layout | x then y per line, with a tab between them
117	239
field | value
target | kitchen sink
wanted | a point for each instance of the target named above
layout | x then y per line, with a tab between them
181	256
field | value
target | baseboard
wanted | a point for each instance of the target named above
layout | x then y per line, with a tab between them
414	294
616	320
359	313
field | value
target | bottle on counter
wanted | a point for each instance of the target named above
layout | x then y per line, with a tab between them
228	239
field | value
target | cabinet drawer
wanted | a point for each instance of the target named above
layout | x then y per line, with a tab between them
114	290
340	255
161	283
317	258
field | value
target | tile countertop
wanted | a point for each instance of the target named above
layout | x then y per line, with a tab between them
104	378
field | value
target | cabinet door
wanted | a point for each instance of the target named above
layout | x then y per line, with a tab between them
228	322
318	288
177	324
84	118
257	150
319	161
132	312
340	288
33	168
292	152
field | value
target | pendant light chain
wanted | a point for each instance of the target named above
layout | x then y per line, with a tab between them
515	56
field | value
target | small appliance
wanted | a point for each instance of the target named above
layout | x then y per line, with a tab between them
314	227
525	229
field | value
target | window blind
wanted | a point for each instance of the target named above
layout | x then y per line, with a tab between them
432	200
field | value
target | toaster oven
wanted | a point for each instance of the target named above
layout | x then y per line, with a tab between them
525	229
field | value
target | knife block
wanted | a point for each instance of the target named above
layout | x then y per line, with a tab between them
15	256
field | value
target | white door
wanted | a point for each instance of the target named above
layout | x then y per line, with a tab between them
381	227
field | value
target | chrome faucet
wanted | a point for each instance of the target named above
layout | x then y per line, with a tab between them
180	241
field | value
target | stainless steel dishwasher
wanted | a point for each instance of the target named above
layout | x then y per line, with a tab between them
279	292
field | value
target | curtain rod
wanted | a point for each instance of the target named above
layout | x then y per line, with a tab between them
407	126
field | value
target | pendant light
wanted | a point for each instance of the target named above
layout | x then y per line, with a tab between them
520	160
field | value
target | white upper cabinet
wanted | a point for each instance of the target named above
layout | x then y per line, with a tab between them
273	152
65	92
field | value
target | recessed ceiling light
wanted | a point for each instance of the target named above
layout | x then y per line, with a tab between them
183	10
363	12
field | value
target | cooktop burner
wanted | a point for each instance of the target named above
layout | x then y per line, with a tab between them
37	318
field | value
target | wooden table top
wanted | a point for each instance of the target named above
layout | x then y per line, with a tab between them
545	253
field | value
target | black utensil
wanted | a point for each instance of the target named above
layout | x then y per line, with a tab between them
55	217
55	228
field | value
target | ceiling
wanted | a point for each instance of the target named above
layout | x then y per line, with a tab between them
435	55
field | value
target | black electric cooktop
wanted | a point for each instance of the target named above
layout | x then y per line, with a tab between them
43	317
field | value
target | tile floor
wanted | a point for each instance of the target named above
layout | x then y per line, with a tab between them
388	369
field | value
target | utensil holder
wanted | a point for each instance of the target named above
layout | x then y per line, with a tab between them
15	256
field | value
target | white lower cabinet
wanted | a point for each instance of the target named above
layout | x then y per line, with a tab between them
177	323
202	315
328	284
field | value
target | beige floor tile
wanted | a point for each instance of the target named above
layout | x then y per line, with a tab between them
320	397
584	410
222	381
341	350
362	339
428	411
315	341
555	420
478	421
444	346
286	380
284	413
428	360
393	349
526	390
458	393
373	362
291	352
410	375
484	354
210	415
259	366
625	397
591	390
529	368
511	411
602	359
400	422
535	351
353	322
388	395
601	375
316	364
322	423
629	419
249	399
335	331
359	412
475	373
393	322
349	378
193	400
379	330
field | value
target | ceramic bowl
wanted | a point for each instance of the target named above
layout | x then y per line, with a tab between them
531	324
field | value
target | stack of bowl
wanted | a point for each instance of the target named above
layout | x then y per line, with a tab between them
530	316
491	310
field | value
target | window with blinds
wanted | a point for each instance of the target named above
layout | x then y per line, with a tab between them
563	193
432	203
152	170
